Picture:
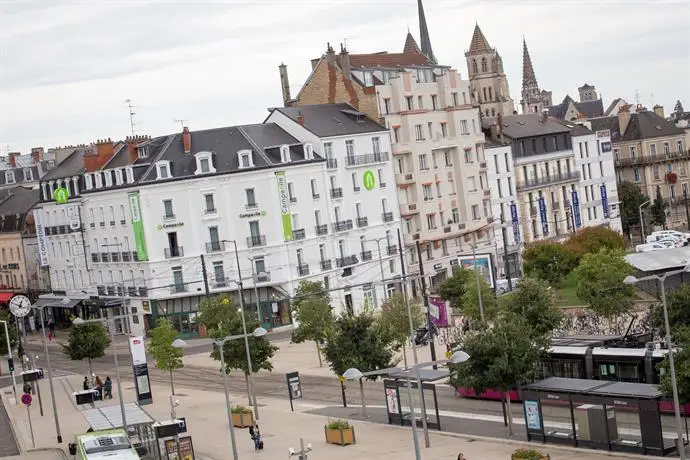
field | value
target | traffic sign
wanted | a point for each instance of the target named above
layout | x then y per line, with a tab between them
26	399
20	306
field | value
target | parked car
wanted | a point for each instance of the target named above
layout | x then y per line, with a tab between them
650	247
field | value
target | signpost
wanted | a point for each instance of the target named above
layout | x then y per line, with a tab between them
294	387
26	400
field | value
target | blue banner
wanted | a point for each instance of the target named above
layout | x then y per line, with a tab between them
516	222
544	218
576	210
604	201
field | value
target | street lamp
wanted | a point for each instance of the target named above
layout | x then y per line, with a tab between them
9	359
661	279
639	210
50	372
303	451
355	374
378	246
220	343
255	280
111	326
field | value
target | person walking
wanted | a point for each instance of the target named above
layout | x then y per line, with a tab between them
108	388
86	383
99	387
51	329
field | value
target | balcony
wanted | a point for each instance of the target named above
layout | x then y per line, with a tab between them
362	222
105	257
367	159
219	283
322	229
178	288
263	277
331	163
403	179
482	165
95	257
401	148
532	212
337	192
556	205
132	291
175	251
114	256
447	229
303	269
408	208
366	255
549	180
649	159
392	249
346	261
101	290
215	246
462	227
342	225
293	199
490	219
487	192
387	216
256	241
326	265
298	234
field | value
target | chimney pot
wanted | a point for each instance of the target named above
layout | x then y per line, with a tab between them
186	140
300	118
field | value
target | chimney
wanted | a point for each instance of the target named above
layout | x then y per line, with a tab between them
98	154
623	118
285	84
314	63
659	110
12	158
345	61
132	143
186	140
330	54
37	154
300	118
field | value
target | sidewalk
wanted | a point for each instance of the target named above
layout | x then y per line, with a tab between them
281	429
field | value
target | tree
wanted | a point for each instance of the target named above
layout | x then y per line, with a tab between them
533	300
502	356
599	279
678	109
681	360
452	289
222	319
394	321
86	341
168	358
678	306
14	337
470	300
313	314
356	341
631	198
592	239
550	262
658	209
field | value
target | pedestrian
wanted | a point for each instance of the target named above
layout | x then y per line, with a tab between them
51	329
461	456
108	388
255	434
86	383
99	386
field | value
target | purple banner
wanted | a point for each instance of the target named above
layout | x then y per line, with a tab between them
438	312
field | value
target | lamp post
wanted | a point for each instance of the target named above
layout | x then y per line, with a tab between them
661	279
50	374
9	359
378	247
476	274
111	326
639	210
303	451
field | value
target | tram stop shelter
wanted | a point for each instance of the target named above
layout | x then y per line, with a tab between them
395	388
614	416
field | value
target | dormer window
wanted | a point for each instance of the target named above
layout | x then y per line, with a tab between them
245	159
284	154
88	179
9	177
108	179
163	169
143	151
308	152
129	172
204	163
99	180
118	177
28	175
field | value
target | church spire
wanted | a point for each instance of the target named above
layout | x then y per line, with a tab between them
424	34
410	44
479	42
528	77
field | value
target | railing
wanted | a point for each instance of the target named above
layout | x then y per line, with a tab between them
646	159
256	240
175	251
298	234
556	205
178	288
248	206
408	208
208	211
123	222
303	269
362	222
326	264
315	196
532	211
366	159
462	226
215	246
446	229
366	255
132	291
547	180
337	192
322	229
346	261
263	277
101	290
482	165
490	219
165	217
105	257
392	249
342	225
114	256
387	216
331	163
219	283
487	192
293	199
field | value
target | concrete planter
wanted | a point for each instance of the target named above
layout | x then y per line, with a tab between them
340	436
242	419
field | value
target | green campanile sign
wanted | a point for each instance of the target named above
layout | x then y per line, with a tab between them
60	195
137	226
369	180
284	200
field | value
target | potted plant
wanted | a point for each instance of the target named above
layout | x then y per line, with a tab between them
340	432
242	417
529	454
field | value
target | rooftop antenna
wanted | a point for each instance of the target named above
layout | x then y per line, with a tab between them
637	98
181	122
131	115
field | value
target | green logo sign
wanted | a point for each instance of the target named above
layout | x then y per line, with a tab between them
369	180
60	195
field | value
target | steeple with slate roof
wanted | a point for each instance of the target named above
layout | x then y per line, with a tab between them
479	42
424	34
528	77
410	44
534	100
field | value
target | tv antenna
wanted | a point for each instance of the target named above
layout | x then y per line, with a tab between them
637	98
131	115
181	122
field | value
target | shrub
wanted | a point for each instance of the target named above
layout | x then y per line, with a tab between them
240	410
338	424
527	454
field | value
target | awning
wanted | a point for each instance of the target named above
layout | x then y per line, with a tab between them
108	417
6	296
57	302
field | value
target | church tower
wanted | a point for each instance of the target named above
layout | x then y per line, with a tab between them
488	82
533	100
424	34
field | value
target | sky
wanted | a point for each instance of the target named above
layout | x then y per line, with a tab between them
66	68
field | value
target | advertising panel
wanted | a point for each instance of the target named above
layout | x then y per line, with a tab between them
284	200
41	238
604	201
137	226
438	310
137	349
543	216
483	263
515	222
576	210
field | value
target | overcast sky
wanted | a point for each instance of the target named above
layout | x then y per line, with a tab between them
66	68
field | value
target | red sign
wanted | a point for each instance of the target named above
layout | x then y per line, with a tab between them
26	399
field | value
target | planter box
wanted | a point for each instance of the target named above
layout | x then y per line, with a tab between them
517	457
340	437
242	420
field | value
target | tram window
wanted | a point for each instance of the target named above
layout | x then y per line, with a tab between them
618	371
568	368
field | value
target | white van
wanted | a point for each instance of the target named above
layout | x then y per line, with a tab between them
649	247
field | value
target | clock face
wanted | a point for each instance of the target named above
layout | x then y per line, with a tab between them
20	306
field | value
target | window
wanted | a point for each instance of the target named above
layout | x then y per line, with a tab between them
209	203
679	146
163	172
9	177
454	99
428	193
386	106
472	182
652	149
636	172
656	173
431	221
376	145
382	183
245	158
434	102
429	252
420	102
168	209
468	156
447	157
438	189
178	280
456	215
633	152
419	132
444	130
251	197
463	127
475	212
667	148
314	189
350	148
218	272
430	129
396	134
291	192
408	102
28	174
510	185
500	189
368	79
328	149
423	165
355	183
285	154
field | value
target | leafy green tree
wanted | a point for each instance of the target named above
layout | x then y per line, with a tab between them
658	209
599	279
221	319
631	198
87	341
357	341
394	321
168	358
534	301
452	289
678	306
681	360
313	313
548	261
470	300
592	239
11	329
502	356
